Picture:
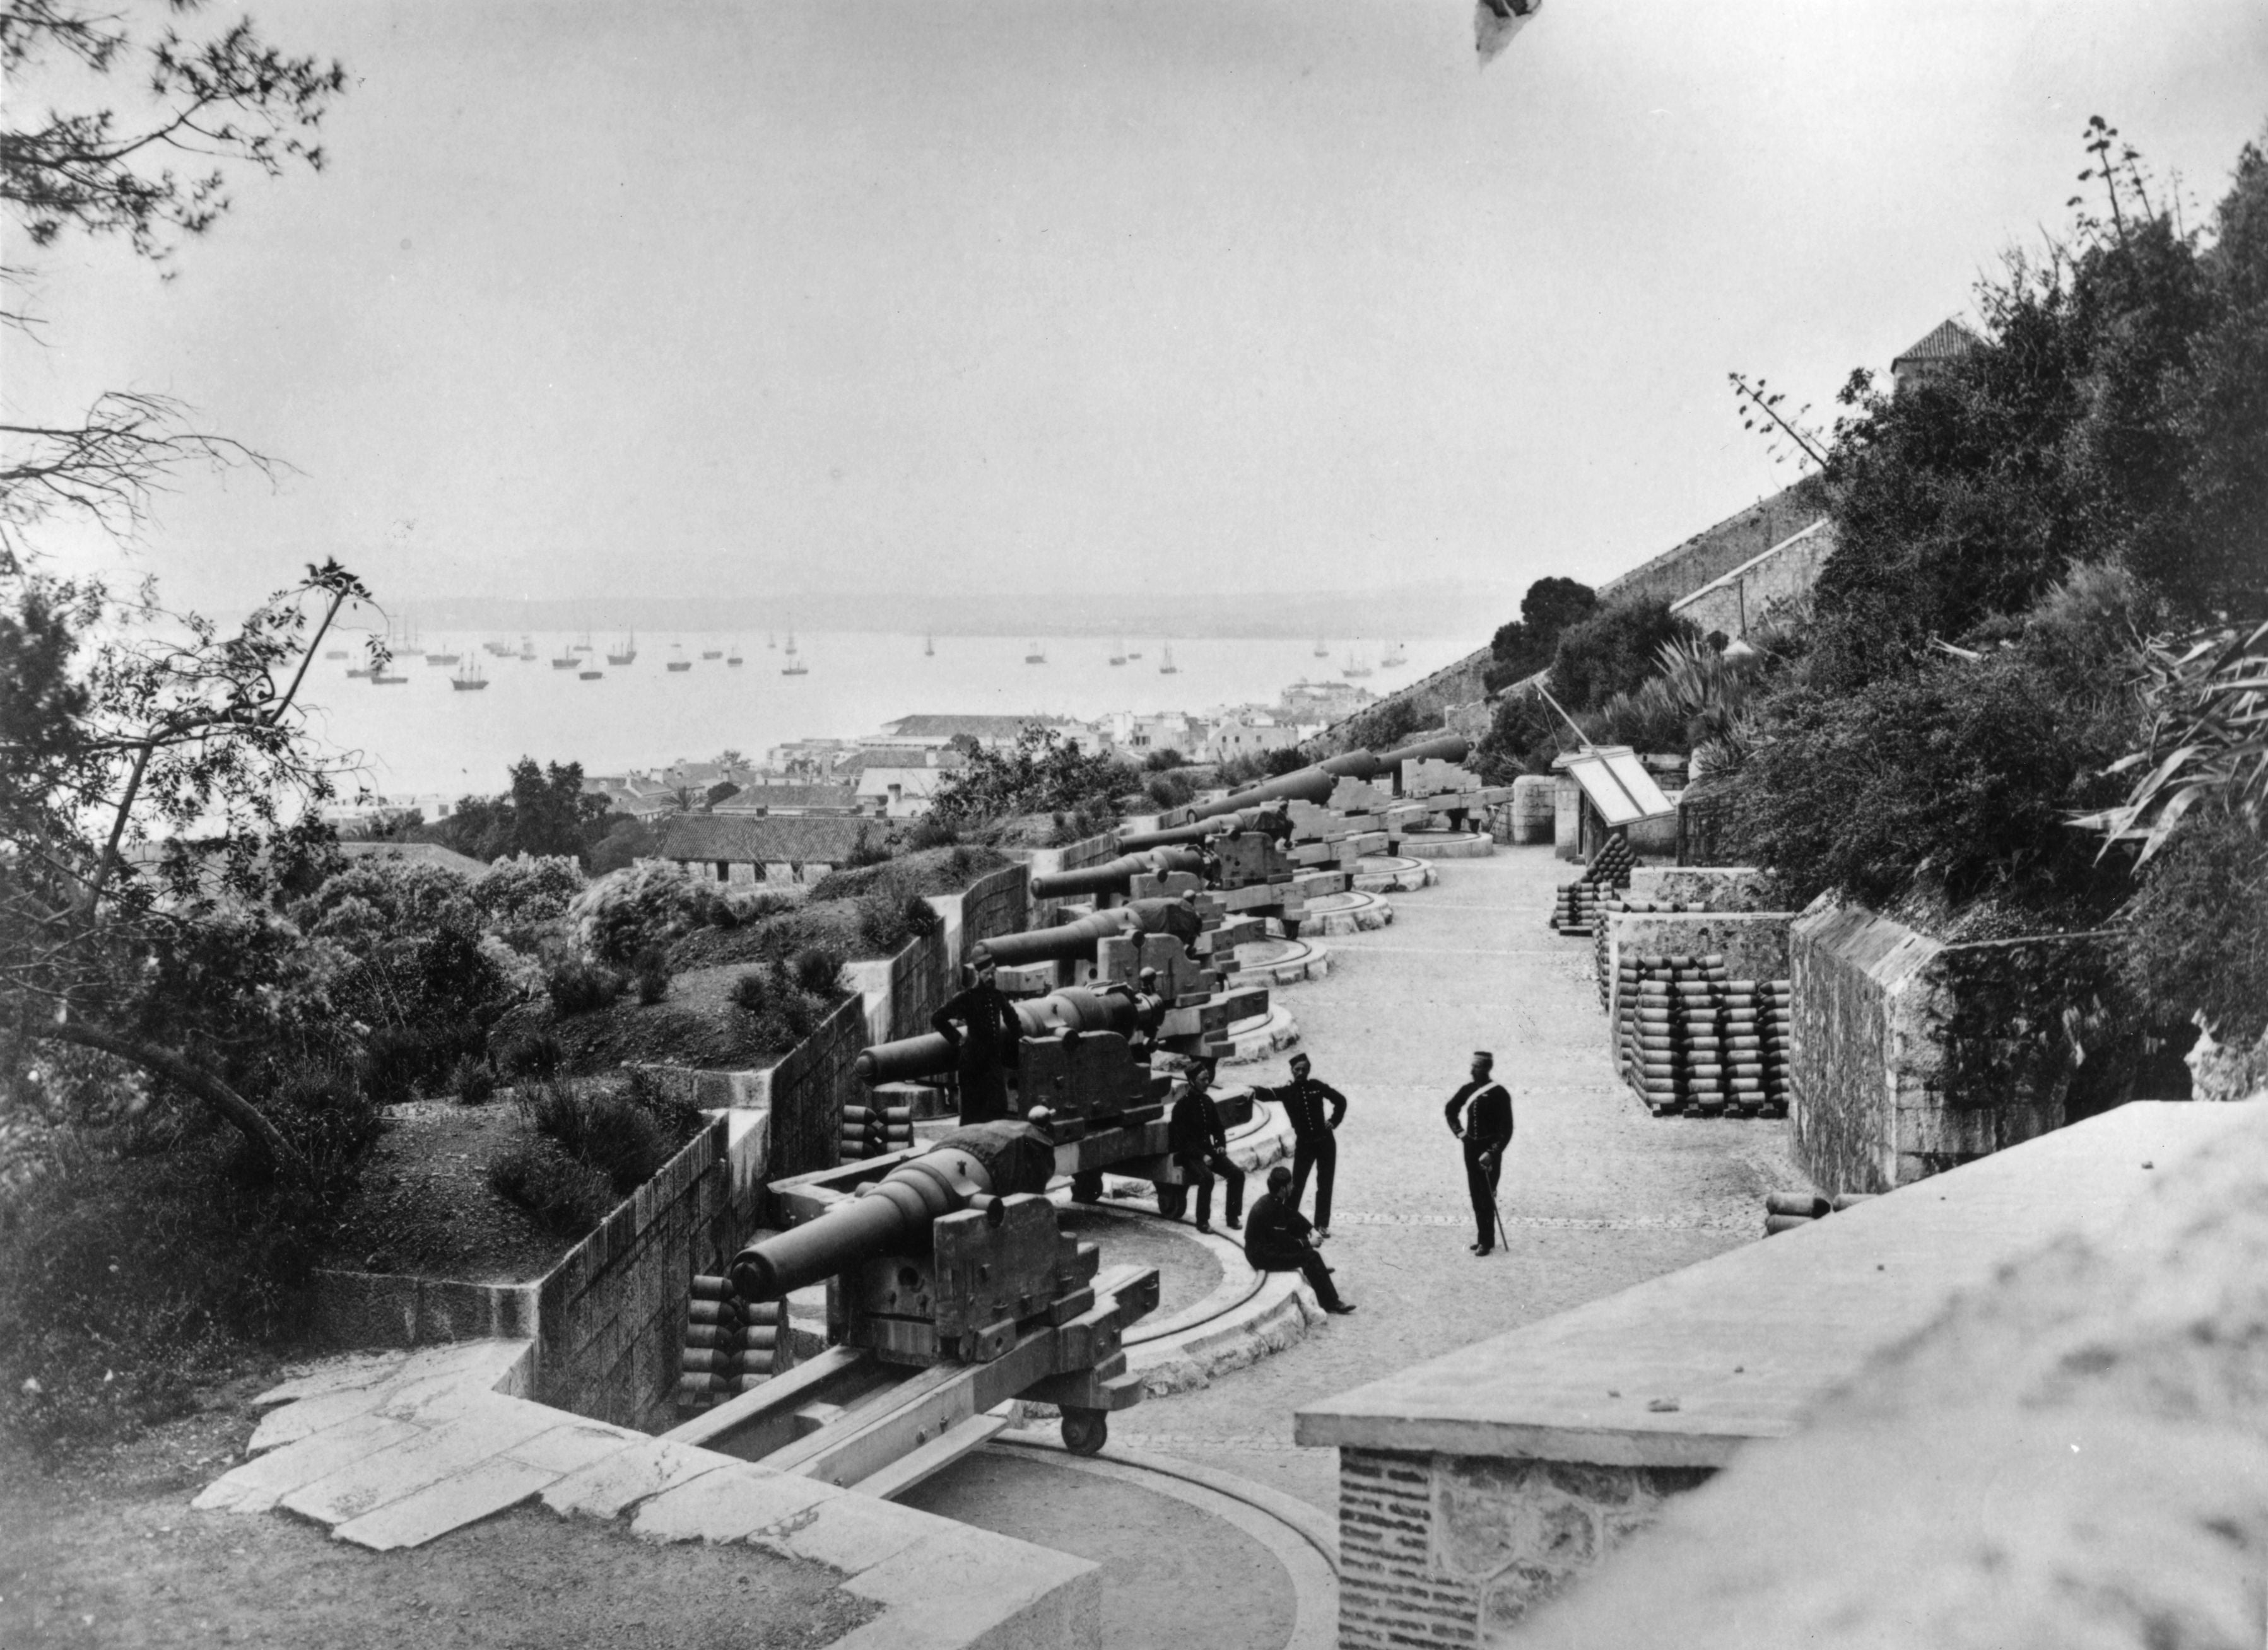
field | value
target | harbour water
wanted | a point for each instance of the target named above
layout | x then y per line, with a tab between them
423	737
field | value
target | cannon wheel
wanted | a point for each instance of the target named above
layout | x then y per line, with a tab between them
1085	1431
1173	1201
1086	1187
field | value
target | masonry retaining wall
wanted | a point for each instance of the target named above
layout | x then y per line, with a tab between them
1911	1055
1704	887
1453	1549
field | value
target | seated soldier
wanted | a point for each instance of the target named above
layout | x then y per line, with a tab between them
1278	1239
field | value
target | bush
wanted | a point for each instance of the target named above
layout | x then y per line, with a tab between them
1170	788
931	830
650	903
1389	725
538	1055
1614	650
2194	937
785	1012
394	1059
1161	761
650	973
869	849
527	889
817	968
475	1082
578	987
567	1196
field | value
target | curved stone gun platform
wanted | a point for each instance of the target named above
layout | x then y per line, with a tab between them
1354	911
1392	873
1447	845
1280	961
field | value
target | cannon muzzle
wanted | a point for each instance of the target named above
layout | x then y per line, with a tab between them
1440	747
1075	1008
887	1214
1059	944
1309	784
1114	876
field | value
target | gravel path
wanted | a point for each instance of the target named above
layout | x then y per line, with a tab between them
1597	1195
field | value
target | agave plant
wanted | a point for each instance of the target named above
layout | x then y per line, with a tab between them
1712	691
2205	694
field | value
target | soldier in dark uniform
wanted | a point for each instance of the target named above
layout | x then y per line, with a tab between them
1486	1130
1198	1144
1313	1146
1278	1240
986	1039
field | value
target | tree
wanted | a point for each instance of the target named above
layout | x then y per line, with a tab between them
1042	773
546	812
1614	650
1524	646
147	834
232	104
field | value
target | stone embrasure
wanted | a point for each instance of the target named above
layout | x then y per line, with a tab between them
1455	1550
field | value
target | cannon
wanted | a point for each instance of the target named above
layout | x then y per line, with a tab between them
1267	819
1114	876
1308	784
1440	747
970	1168
1075	1011
951	1289
1079	940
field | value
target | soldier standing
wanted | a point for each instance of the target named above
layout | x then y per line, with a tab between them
1486	1130
1314	1146
984	1040
1198	1144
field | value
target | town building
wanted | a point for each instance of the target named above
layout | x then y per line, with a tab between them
779	850
1932	358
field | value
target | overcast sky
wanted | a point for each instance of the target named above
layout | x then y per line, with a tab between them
756	297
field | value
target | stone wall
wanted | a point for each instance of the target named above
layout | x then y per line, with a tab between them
608	1320
1677	574
899	992
1091	850
1749	596
807	1091
997	903
1911	1056
1453	1549
1704	887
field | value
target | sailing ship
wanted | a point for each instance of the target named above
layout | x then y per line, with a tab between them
1165	666
1322	650
470	679
1395	655
495	649
335	653
795	667
361	673
625	654
734	657
564	660
590	672
929	647
379	679
677	659
583	646
1038	656
1355	666
527	650
712	652
1133	652
1118	653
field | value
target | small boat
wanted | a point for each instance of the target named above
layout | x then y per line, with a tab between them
379	680
443	659
1118	653
335	653
1038	656
583	646
712	652
1355	666
677	660
527	650
929	647
734	657
1321	651
471	679
1135	653
589	674
1395	655
795	667
497	650
360	672
566	661
626	653
1165	666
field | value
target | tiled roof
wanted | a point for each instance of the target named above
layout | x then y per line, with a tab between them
974	726
1949	341
904	756
766	839
750	798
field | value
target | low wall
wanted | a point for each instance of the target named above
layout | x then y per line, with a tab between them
1091	850
608	1320
898	993
807	1091
997	903
1703	888
1911	1056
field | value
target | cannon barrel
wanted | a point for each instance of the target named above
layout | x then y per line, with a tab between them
1440	747
1112	876
1352	764
885	1214
1309	784
1200	831
1075	1008
1059	944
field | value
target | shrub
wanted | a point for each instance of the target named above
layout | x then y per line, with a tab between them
578	987
475	1082
787	1013
567	1196
753	991
817	968
2194	938
538	1055
869	849
1161	761
650	903
1170	788
650	973
526	888
1614	650
1391	724
394	1059
603	1128
933	830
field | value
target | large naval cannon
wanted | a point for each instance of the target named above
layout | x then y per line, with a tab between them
1269	821
1076	1055
1115	876
951	1289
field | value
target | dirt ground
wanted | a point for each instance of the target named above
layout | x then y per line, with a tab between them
424	1204
109	1554
696	1024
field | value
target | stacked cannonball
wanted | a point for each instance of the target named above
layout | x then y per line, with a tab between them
730	1345
1576	911
871	1130
1693	1042
1624	974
